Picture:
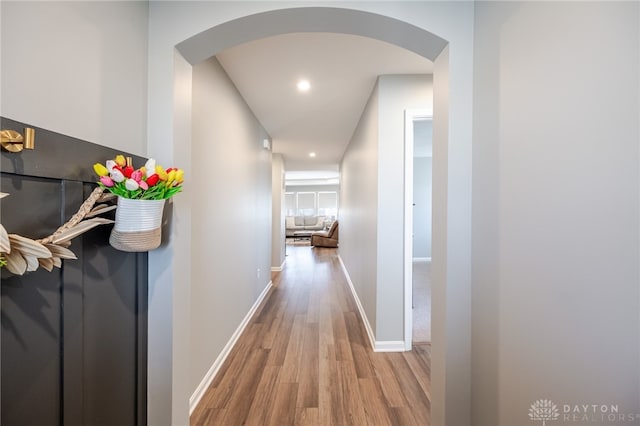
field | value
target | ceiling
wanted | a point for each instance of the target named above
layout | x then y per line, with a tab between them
342	70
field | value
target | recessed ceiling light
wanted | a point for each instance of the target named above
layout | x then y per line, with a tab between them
312	154
304	85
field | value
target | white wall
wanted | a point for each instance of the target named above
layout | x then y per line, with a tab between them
231	216
278	229
372	199
77	68
397	94
422	167
359	207
556	217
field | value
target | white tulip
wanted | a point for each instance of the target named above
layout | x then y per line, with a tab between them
131	184
150	166
117	175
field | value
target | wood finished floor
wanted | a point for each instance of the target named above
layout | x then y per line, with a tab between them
305	359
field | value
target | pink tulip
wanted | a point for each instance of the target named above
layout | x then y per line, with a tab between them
106	181
143	185
137	175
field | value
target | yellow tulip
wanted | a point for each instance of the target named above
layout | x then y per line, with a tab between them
180	176
162	174
171	177
100	169
120	160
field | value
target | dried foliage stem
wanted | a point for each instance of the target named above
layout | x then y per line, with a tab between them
21	254
84	209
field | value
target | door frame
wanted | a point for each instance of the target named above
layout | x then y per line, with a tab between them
410	117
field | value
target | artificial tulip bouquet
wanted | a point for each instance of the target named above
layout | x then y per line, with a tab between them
141	196
151	182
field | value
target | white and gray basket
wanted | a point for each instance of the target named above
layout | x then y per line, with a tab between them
138	225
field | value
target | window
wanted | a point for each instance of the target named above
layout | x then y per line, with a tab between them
328	203
306	203
290	203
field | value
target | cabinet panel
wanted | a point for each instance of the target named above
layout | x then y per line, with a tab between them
31	310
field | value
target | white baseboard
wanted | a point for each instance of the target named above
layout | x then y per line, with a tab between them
377	346
363	315
422	259
278	268
390	346
211	374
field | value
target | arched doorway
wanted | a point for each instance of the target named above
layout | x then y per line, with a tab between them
318	19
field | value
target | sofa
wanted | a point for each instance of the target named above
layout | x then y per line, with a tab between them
326	238
303	223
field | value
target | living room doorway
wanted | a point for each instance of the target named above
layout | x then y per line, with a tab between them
310	203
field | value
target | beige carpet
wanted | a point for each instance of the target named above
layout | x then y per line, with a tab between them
421	301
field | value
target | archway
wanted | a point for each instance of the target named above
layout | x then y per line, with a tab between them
318	19
311	19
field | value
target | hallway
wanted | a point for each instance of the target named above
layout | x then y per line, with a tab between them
305	359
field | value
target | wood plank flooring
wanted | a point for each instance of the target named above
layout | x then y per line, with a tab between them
305	359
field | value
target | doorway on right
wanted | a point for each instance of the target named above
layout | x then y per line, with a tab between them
422	213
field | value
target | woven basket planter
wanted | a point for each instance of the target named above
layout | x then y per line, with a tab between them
138	225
